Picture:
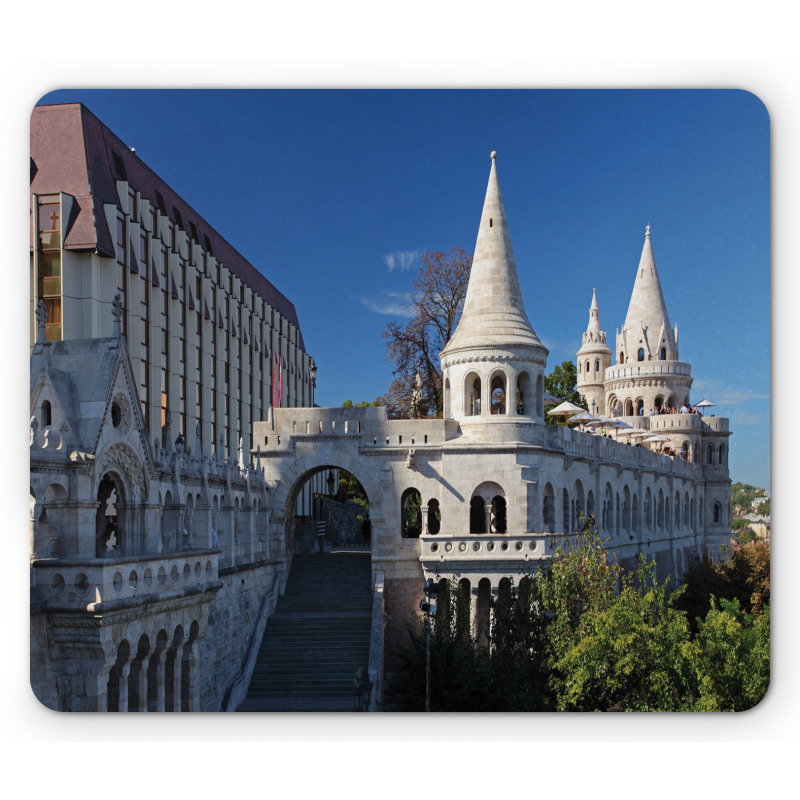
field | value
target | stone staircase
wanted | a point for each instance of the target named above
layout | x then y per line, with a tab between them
317	638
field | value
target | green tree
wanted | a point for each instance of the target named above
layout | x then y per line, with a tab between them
584	635
744	576
456	682
731	658
561	383
615	641
436	302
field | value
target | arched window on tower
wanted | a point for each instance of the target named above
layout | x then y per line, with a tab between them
47	413
472	395
524	394
709	454
411	514
663	353
477	515
499	522
621	357
640	354
498	394
629	408
434	517
597	365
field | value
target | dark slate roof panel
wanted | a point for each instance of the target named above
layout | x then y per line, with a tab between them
72	151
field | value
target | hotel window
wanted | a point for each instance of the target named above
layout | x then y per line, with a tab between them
49	247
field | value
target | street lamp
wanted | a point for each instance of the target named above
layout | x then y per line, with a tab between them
428	608
331	482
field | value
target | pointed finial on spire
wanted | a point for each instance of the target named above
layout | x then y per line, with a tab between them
647	232
493	155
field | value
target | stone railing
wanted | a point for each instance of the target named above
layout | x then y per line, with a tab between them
647	369
580	443
87	583
488	547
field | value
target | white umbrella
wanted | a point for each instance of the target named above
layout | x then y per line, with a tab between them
549	400
703	404
584	418
566	409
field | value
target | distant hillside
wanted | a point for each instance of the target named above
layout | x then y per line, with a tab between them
743	494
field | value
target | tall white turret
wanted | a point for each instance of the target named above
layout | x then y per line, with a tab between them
593	358
493	366
647	373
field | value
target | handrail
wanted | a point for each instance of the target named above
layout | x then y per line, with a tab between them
235	695
376	644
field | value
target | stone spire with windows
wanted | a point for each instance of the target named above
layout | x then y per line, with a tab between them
593	358
647	373
494	313
494	348
647	325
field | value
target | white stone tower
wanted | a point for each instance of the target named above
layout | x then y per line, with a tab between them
493	366
593	358
647	373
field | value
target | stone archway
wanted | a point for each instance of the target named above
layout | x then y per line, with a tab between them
298	476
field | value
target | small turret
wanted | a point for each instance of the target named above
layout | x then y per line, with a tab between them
593	357
647	334
646	373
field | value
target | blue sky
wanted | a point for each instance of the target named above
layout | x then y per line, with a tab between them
334	195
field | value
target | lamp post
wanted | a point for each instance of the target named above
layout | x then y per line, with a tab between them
331	482
428	608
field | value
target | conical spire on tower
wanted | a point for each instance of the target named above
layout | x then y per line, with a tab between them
594	334
494	314
647	317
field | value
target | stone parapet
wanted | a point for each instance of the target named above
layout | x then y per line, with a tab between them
648	369
92	584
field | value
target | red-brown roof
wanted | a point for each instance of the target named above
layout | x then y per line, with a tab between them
73	152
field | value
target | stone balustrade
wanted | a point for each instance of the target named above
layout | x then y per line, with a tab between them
88	582
496	547
645	369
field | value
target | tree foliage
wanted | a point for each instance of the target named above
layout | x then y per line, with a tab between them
561	383
436	301
584	635
744	577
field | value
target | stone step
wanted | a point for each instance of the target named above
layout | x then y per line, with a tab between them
318	637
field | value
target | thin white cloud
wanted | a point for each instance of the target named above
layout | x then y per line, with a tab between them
392	304
727	395
402	260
